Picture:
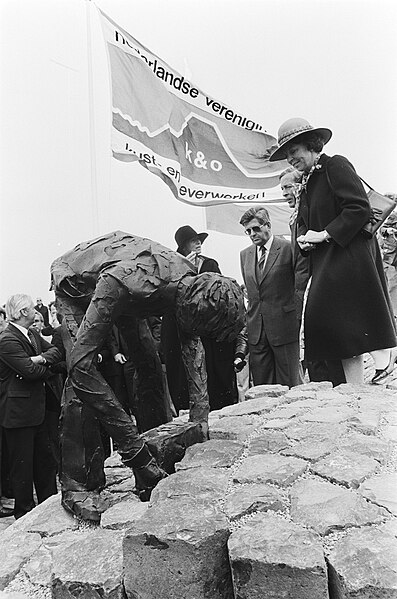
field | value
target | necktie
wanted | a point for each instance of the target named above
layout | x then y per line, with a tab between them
33	341
262	258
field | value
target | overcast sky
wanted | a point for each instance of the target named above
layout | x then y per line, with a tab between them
330	61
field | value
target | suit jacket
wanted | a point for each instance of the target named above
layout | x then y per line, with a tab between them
22	383
271	300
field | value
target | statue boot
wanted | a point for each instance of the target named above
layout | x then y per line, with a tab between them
147	473
87	505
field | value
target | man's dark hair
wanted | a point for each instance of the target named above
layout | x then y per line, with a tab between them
258	212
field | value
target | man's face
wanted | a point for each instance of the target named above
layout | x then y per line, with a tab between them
39	301
29	314
258	233
193	245
289	189
38	322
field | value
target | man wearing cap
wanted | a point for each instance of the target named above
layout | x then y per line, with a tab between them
272	321
219	356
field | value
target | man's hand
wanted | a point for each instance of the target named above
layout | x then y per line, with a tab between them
38	360
120	358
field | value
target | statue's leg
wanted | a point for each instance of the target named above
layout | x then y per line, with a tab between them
93	391
152	408
193	357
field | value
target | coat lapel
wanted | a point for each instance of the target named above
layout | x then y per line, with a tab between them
17	333
250	264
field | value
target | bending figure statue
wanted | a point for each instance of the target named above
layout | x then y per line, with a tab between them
117	279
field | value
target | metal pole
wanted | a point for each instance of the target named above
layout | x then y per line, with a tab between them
91	124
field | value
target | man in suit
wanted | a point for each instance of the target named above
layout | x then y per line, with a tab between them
43	310
25	358
272	323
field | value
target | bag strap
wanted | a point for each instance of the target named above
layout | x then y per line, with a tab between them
361	179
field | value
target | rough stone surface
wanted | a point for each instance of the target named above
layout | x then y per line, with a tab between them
235	428
169	441
180	548
99	577
270	468
15	551
325	507
246	499
307	430
366	422
363	565
274	558
201	483
266	391
217	453
346	468
330	414
382	490
311	449
272	441
123	514
117	475
379	449
48	518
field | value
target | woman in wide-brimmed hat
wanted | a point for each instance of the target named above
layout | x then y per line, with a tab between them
348	308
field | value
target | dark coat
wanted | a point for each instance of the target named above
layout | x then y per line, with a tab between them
22	383
347	311
272	301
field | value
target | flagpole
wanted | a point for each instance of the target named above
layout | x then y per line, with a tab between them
91	125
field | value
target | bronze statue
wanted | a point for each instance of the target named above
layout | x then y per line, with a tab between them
117	279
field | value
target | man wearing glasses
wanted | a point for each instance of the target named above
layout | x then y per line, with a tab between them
272	323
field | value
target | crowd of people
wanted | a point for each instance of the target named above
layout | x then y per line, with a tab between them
314	304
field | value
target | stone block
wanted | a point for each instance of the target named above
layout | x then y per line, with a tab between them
365	422
330	414
91	567
117	475
372	447
270	468
266	391
15	550
247	499
325	507
311	449
270	440
274	558
217	453
382	490
178	549
307	430
346	468
260	405
123	514
169	441
363	565
199	483
234	428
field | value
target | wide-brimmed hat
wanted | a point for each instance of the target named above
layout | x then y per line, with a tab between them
186	233
292	129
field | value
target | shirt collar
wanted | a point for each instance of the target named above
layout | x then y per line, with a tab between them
23	330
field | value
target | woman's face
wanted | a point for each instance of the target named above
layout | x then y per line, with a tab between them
300	157
193	245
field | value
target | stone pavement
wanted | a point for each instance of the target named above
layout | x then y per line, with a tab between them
294	496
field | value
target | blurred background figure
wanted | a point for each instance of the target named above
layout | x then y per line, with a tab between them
40	307
388	245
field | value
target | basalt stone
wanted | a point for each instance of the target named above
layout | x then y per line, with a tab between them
123	514
234	428
288	411
311	449
168	442
39	568
258	406
346	468
272	441
370	446
273	558
270	468
178	549
199	483
325	507
118	475
384	404
113	461
247	499
365	422
91	567
306	430
12	595
47	518
390	432
266	391
15	550
298	394
363	565
217	453
382	490
330	414
125	486
275	424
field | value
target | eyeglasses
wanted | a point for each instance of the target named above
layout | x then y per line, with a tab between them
256	229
